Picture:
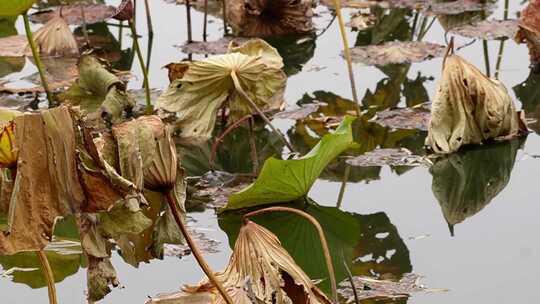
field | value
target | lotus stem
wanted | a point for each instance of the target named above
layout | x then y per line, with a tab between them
224	12
343	185
238	87
347	53
120	34
220	138
84	29
171	200
415	23
188	18
425	29
37	58
501	45
48	274
149	19
350	278
486	57
149	107
253	145
205	20
315	223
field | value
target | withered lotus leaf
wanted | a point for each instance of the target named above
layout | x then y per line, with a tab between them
93	13
8	153
55	39
208	85
529	30
469	108
262	18
260	270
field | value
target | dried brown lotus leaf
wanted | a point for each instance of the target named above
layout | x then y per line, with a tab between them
529	30
93	13
55	39
263	18
260	270
469	108
396	52
488	30
207	86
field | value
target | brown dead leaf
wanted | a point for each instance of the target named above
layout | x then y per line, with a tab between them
372	288
404	118
55	39
362	20
488	30
220	46
428	7
529	30
259	269
46	185
388	157
13	46
396	52
262	18
300	113
470	108
93	13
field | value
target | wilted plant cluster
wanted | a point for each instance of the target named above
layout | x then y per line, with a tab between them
118	167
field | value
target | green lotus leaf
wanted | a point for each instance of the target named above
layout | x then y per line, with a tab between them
287	180
208	85
14	7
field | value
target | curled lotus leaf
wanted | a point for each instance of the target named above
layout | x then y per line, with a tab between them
263	18
529	30
470	108
8	153
287	180
124	11
396	52
260	270
208	85
55	39
10	8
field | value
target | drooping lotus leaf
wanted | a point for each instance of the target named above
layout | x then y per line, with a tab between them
55	39
396	52
259	259
208	85
470	108
10	8
263	18
488	30
464	183
529	31
93	13
287	180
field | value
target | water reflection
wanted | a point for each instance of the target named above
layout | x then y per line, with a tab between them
464	183
528	92
369	244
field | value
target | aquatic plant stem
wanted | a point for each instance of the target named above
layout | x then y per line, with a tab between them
84	28
343	185
240	90
205	20
501	45
148	19
486	57
149	107
347	53
315	223
350	278
171	200
37	59
188	20
48	274
224	12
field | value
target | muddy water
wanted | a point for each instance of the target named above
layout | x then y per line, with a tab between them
467	224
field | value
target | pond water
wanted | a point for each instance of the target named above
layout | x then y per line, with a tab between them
468	224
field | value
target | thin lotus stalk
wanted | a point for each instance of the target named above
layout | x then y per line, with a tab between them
188	19
48	274
205	20
486	57
149	19
149	51
347	53
84	28
350	278
220	138
324	243
501	45
224	12
343	185
120	34
415	23
195	249
238	87
37	58
149	107
423	33
253	145
328	25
